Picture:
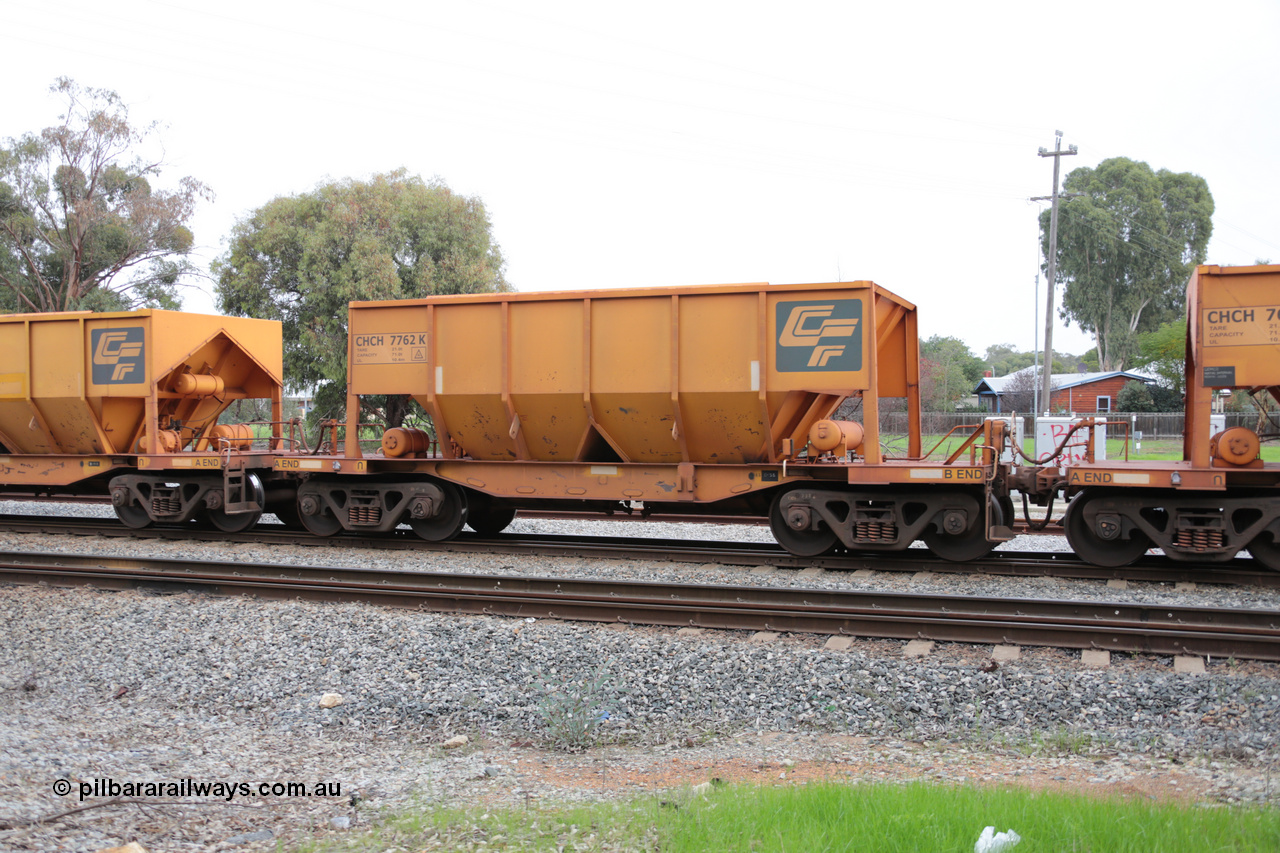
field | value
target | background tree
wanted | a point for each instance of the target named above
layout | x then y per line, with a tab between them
1004	359
80	224
1164	353
948	372
300	259
1264	405
1126	248
1135	396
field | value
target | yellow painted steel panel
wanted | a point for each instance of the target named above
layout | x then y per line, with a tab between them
469	344
722	412
897	336
719	342
84	379
639	425
390	351
1237	310
57	353
1233	332
561	422
547	347
728	428
630	346
722	373
631	377
257	359
547	372
478	425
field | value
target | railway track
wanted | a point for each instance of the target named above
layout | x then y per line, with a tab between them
1249	634
1053	527
1020	526
1006	563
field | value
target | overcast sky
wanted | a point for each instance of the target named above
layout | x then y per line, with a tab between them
658	143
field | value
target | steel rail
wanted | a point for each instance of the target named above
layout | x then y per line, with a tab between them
1020	526
1247	634
1002	563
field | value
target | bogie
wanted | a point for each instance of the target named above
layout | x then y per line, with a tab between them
141	500
811	520
1114	527
435	510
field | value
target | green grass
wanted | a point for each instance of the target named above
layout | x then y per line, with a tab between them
922	817
834	817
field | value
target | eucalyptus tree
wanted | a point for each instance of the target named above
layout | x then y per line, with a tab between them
300	259
82	224
1126	246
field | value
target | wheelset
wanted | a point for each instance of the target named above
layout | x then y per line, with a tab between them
448	522
797	533
1093	548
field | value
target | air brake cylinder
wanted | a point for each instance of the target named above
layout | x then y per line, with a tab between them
405	441
233	436
837	437
198	385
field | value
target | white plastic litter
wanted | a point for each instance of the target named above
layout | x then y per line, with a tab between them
991	841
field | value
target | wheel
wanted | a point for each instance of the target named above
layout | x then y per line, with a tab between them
323	524
802	543
972	544
1266	550
133	516
448	522
314	513
1010	511
489	520
241	521
1091	548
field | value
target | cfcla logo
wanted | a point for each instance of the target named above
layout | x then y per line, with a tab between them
799	331
117	355
819	335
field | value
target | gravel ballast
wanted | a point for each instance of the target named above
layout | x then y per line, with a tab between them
135	687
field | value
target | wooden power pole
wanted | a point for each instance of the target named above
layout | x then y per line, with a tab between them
1057	154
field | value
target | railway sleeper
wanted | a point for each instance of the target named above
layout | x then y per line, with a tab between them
1198	527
